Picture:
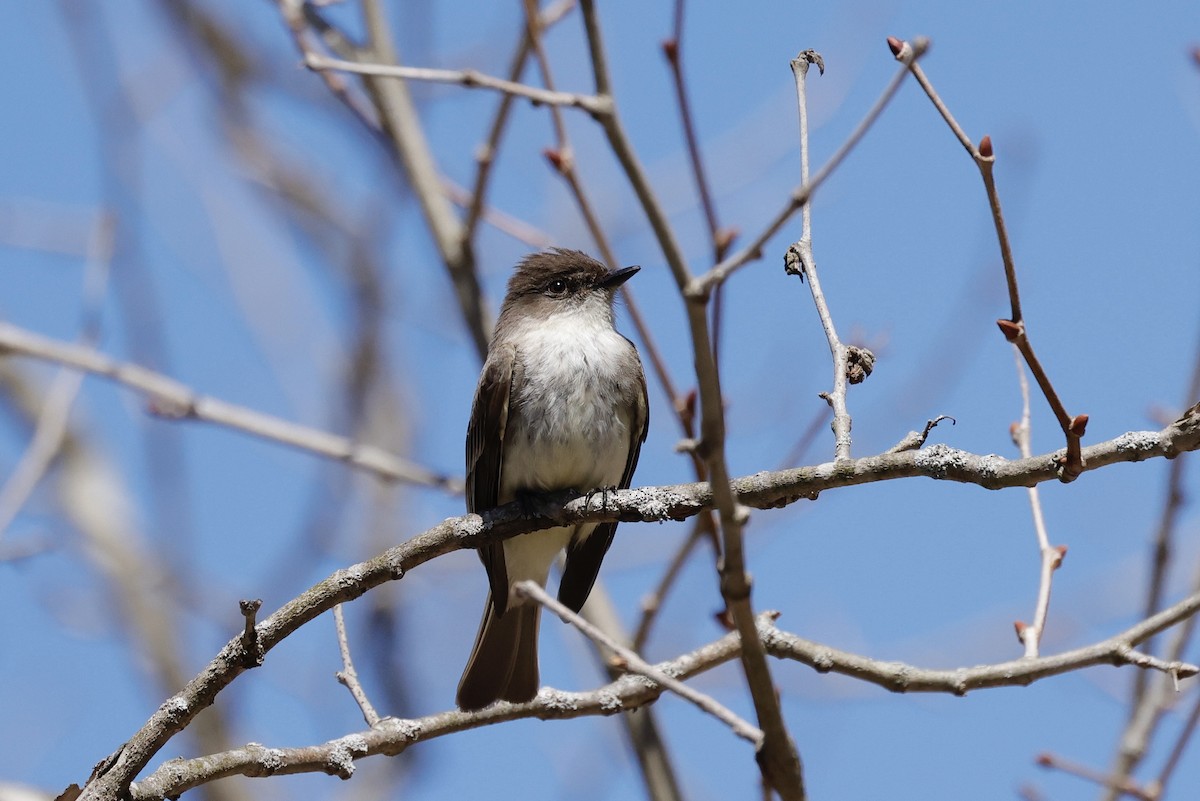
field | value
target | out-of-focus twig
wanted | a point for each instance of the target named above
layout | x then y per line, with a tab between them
1151	699
51	428
485	155
173	400
721	238
466	78
1116	788
1162	550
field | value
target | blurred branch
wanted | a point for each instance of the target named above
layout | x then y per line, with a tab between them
99	507
397	117
1013	328
485	156
1150	700
651	604
1159	784
171	399
850	365
1117	789
51	428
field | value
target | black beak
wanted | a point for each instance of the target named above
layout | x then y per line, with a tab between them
618	277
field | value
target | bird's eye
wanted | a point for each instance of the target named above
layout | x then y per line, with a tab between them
556	288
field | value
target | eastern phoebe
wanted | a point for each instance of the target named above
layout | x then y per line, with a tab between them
561	404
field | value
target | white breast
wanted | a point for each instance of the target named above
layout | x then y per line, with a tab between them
568	423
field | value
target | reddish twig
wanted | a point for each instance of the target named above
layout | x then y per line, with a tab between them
1014	330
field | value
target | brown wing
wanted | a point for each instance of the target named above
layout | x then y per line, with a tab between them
485	455
584	558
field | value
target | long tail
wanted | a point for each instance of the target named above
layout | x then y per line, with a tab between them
504	661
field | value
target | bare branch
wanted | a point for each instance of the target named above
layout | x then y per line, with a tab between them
801	262
392	736
173	400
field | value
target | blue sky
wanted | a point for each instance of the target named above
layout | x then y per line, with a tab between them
1096	122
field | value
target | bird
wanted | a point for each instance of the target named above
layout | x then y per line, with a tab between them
561	404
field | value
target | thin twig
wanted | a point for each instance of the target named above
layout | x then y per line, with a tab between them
720	238
801	194
1114	787
801	262
467	78
1164	538
635	664
485	154
1051	558
402	124
673	52
174	400
1014	329
295	15
1159	785
899	677
348	676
